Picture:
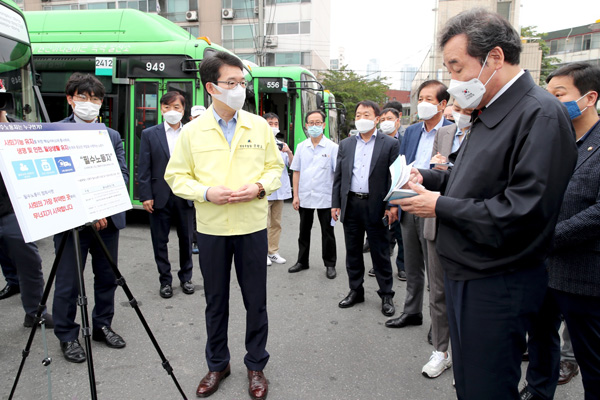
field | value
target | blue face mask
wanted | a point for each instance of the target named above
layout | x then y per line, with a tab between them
573	108
315	131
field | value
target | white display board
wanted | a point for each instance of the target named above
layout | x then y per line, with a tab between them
60	176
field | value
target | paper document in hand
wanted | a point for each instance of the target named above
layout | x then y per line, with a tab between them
400	174
401	194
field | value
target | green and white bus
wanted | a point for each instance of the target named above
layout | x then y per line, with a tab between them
20	99
137	56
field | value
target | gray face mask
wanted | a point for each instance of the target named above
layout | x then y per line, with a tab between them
86	110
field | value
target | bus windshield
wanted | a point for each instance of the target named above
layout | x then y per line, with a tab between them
16	77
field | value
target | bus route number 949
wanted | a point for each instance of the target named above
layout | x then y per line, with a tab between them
155	66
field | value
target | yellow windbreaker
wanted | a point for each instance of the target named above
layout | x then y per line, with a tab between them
202	158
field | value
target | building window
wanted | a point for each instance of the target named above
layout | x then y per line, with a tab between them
194	30
503	8
248	57
587	41
293	58
239	36
289	28
595	40
271	2
553	46
577	42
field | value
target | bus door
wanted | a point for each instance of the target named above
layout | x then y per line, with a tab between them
145	109
273	97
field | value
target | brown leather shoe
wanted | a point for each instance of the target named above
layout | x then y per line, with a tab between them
258	385
210	383
567	371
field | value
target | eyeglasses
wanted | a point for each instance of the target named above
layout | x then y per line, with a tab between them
232	84
312	123
83	97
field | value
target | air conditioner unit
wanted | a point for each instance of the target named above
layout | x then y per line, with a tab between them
227	13
271	41
256	10
191	15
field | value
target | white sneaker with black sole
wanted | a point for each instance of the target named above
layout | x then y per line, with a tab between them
437	364
277	259
269	262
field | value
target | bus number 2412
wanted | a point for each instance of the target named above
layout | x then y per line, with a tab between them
155	66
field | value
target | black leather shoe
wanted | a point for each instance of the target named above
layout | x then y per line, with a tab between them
372	272
29	320
9	291
297	268
402	275
188	287
108	336
330	272
73	351
405	320
387	306
353	298
430	336
166	291
568	370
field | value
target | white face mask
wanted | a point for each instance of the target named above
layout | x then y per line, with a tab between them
275	130
364	125
469	94
86	110
173	117
426	110
234	98
462	121
388	127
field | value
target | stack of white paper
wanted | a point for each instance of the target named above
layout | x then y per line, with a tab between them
400	175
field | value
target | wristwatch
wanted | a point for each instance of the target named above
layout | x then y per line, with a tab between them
261	191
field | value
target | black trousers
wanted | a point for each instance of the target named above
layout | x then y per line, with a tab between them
582	315
248	253
177	212
66	289
328	249
489	319
356	223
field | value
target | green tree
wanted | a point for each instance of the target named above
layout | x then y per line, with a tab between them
529	34
349	88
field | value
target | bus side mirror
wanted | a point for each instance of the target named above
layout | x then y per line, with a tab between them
7	102
320	104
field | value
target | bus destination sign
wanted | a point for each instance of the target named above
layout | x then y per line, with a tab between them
272	85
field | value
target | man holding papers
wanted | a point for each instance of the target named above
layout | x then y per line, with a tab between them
362	179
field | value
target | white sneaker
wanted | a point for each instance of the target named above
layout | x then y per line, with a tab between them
276	258
269	262
437	364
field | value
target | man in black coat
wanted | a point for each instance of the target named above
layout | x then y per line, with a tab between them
573	265
498	204
362	179
85	94
158	199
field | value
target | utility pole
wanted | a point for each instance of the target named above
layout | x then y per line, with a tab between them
261	33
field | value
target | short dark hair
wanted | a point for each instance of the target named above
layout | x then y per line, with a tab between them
369	104
171	97
308	114
84	84
484	31
394	104
271	115
442	91
210	66
586	77
392	110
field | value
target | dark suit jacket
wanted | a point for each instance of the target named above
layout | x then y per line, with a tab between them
385	152
411	139
502	197
117	142
573	264
152	163
444	139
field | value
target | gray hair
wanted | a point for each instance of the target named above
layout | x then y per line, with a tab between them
484	31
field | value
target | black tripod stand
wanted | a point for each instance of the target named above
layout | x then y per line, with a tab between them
82	302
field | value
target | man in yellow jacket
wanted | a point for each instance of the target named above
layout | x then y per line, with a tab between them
227	162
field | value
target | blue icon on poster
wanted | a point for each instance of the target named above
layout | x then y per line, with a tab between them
64	164
24	169
46	166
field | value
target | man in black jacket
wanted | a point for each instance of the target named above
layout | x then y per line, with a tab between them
499	203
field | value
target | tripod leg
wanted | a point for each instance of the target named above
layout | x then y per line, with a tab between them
133	302
40	310
85	324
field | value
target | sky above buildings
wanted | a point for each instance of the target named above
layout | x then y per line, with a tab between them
400	32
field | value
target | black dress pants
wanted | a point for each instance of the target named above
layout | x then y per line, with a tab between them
328	249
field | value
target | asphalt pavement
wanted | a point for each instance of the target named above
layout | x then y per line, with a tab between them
318	351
